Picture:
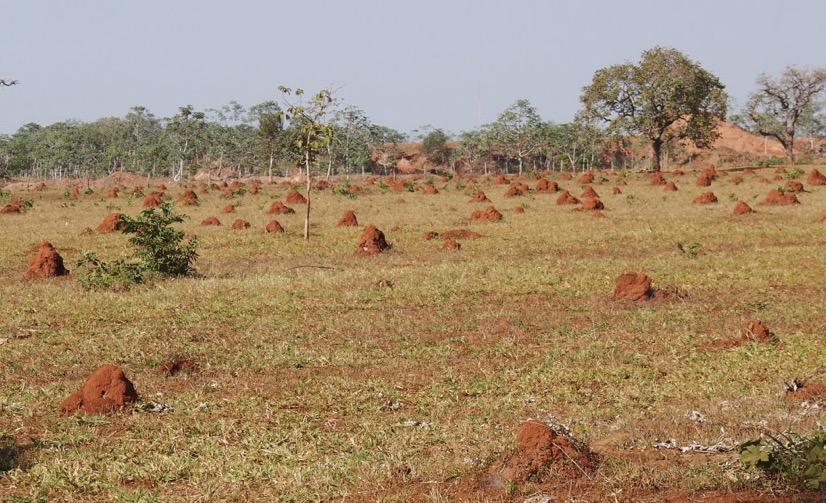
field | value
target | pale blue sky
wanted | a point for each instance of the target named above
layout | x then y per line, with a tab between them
452	64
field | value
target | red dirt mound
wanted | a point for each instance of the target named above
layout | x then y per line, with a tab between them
778	198
519	209
706	198
794	186
565	176
210	221
255	188
500	180
113	193
517	189
736	179
742	208
230	208
295	197
542	455
566	198
371	241
489	214
113	222
13	207
430	189
657	179
75	193
459	234
705	179
322	185
240	224
633	286
585	178
106	390
809	392
274	227
348	219
427	236
480	197
816	178
153	200
616	190
756	331
188	198
670	186
591	204
451	245
279	208
545	185
47	263
589	192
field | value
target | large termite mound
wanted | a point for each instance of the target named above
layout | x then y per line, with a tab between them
348	219
545	185
431	190
670	186
776	197
274	227
105	391
480	197
210	221
371	241
705	198
542	455
240	224
113	222
742	208
47	263
517	189
153	200
188	198
566	198
13	208
279	208
489	214
295	197
585	178
633	286
589	192
591	204
816	177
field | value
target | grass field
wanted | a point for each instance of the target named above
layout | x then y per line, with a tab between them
315	383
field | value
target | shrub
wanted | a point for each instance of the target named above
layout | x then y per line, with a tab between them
796	458
96	274
161	247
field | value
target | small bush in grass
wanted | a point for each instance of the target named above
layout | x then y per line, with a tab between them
799	459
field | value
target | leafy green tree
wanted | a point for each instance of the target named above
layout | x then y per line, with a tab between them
351	142
435	148
311	119
665	97
187	129
778	105
270	128
516	132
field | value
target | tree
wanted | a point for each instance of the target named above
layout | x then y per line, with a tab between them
7	83
311	120
187	128
665	97
434	147
516	131
351	142
776	108
270	127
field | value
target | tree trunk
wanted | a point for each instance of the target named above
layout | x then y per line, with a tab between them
270	170
657	147
309	186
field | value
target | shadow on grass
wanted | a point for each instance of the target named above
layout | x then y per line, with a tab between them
14	455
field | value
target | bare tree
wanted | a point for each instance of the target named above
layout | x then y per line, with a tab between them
7	83
776	107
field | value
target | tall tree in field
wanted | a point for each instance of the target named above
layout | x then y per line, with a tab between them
270	127
776	108
311	119
187	128
517	131
435	148
665	97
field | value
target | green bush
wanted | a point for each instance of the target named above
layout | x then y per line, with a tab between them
96	274
795	458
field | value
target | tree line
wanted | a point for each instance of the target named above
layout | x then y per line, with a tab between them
665	99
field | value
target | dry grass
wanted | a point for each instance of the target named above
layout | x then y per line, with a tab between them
311	377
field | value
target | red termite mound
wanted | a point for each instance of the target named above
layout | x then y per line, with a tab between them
670	186
230	208
12	208
480	197
240	224
657	178
755	331
517	189
616	190
113	193
210	221
279	208
451	245
545	185
274	227
113	222
295	197
778	198
566	198
153	200
371	241
742	208
489	214
500	180
47	263
105	391
458	234
591	204
348	219
585	178
816	177
633	286
794	186
431	189
589	192
188	198
705	198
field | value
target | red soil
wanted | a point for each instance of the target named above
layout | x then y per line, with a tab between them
106	390
742	208
489	214
778	198
670	186
279	208
756	331
348	219
274	227
657	179
188	198
240	224
480	197
545	185
816	178
591	204
633	286
809	392
113	222
705	198
230	208
295	197
47	263
451	245
500	180
566	198
371	241
210	221
427	236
